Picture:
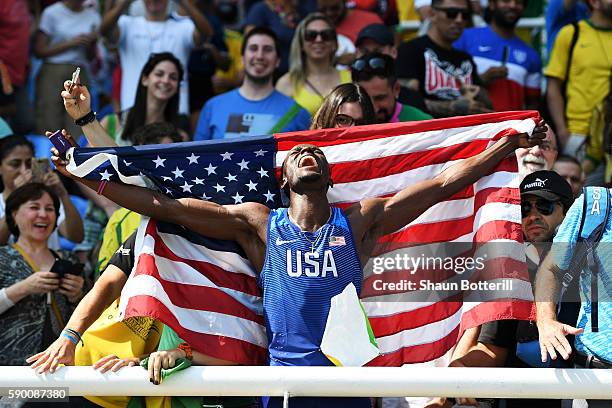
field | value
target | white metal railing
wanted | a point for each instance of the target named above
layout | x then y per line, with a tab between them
326	381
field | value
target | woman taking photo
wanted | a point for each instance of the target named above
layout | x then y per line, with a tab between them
312	73
16	154
157	100
35	303
347	105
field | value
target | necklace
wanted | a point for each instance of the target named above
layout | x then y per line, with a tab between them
313	243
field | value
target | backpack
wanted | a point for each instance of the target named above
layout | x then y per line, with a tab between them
592	227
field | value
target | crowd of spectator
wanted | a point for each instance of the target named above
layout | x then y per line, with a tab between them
165	71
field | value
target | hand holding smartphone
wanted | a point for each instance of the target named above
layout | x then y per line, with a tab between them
60	143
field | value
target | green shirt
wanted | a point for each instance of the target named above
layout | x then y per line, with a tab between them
409	113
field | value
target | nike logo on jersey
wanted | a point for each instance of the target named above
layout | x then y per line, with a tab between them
281	242
310	264
484	48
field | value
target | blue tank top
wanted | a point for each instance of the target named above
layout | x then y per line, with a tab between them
301	273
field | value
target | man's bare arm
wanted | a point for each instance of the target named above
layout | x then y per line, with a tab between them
390	214
232	222
551	332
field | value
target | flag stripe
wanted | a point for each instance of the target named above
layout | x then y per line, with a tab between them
218	346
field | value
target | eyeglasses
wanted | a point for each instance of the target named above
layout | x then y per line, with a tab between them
544	207
343	121
453	12
374	63
326	35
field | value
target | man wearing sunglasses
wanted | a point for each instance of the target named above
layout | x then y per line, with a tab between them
375	72
545	199
445	76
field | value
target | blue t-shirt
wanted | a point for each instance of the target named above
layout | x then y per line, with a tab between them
522	61
232	115
556	17
563	248
302	272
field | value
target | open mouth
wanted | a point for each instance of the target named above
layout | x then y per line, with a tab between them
307	161
41	225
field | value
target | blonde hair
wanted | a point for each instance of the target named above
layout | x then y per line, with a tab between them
297	57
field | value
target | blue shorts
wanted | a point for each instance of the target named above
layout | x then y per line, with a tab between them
316	402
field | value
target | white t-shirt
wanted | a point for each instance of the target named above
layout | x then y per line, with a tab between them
139	38
60	24
53	242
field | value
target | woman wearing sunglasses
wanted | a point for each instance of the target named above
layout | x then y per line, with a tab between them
346	105
312	74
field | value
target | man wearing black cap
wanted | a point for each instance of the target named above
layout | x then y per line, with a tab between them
545	199
379	38
376	38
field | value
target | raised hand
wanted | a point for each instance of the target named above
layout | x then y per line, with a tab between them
77	101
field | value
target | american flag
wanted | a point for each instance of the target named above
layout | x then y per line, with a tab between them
206	290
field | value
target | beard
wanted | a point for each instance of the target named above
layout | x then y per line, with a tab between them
501	20
263	80
606	10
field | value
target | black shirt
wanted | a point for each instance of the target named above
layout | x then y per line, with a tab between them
441	72
123	258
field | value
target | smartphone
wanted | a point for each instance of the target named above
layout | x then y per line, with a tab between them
60	143
505	55
75	79
62	267
40	167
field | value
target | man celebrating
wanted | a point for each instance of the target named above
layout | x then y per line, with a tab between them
375	72
309	252
255	108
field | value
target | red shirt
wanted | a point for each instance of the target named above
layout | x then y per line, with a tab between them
15	22
355	21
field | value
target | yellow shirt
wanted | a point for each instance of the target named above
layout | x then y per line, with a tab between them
407	12
119	228
233	39
312	101
589	71
595	151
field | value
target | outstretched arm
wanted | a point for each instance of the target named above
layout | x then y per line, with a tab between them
232	222
382	216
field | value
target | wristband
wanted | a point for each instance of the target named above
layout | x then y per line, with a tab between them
87	119
101	187
73	340
75	334
187	349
